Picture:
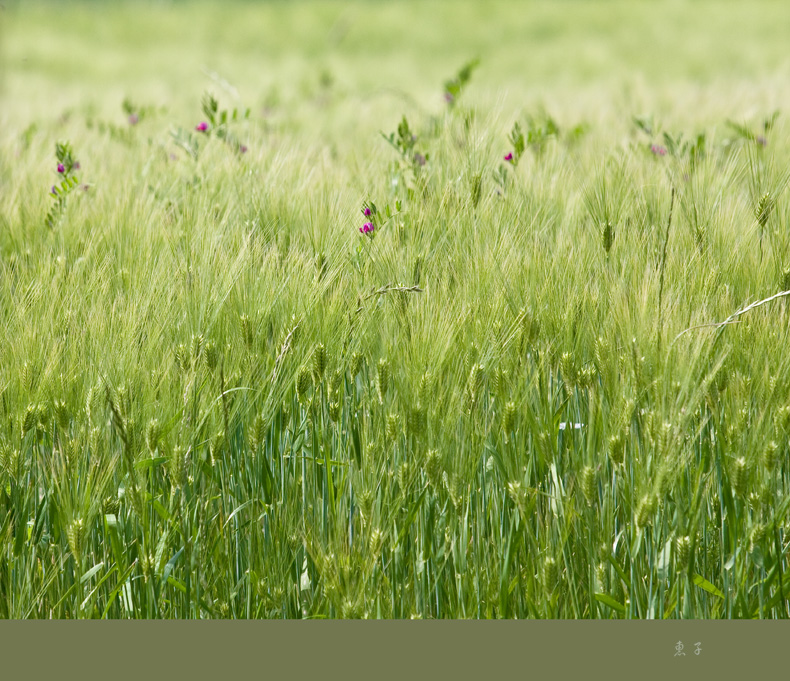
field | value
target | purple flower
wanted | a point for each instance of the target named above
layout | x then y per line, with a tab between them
419	159
367	212
242	149
53	191
762	141
77	165
61	168
448	98
202	126
658	150
509	157
134	119
367	227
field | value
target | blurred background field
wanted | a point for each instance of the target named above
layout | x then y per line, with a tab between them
603	57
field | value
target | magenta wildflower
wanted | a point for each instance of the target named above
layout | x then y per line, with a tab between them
367	228
658	150
242	149
202	126
61	168
367	212
134	119
509	157
53	191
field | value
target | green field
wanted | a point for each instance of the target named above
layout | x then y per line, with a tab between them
513	398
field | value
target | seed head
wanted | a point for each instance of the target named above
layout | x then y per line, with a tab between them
738	476
433	467
178	466
645	510
153	435
764	208
319	363
258	432
356	364
393	427
570	374
551	574
247	332
475	379
600	576
404	476
616	448
417	420
683	549
75	535
425	390
111	505
211	353
62	415
182	357
757	535
589	485
664	482
303	383
509	417
384	378
30	418
337	381
771	455
517	493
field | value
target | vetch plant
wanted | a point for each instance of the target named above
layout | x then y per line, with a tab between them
219	121
745	134
453	87
135	113
371	215
518	145
217	124
66	165
404	141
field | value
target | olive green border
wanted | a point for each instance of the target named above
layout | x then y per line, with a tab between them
221	650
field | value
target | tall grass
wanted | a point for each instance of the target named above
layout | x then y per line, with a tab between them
219	399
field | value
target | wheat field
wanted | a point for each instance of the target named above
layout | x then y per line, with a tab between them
394	310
